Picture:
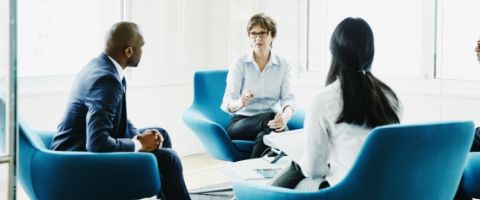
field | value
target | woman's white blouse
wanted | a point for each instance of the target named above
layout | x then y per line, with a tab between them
271	88
329	143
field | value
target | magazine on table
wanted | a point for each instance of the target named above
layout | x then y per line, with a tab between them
257	173
268	172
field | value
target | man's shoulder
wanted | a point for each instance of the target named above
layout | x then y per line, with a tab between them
99	67
98	73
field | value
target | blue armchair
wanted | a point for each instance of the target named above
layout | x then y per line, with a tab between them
396	162
471	176
47	174
209	122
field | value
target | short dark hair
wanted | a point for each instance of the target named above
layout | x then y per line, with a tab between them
264	21
122	35
366	100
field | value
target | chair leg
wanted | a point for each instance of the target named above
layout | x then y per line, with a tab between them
212	190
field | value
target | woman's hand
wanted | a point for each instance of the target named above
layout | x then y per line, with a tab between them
278	123
247	97
242	102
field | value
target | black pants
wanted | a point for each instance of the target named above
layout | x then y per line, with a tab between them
292	177
170	168
460	195
251	128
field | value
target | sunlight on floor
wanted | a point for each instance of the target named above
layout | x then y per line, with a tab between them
201	170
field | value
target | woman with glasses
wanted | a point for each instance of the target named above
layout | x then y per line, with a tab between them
342	114
258	88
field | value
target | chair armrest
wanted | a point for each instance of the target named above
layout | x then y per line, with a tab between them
213	136
86	175
471	176
248	191
296	122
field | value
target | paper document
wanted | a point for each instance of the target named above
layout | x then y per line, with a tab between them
290	142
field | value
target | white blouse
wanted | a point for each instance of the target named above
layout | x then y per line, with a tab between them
271	87
328	142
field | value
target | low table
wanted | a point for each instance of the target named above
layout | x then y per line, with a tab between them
258	170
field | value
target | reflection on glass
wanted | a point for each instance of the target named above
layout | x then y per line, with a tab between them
3	180
2	126
4	63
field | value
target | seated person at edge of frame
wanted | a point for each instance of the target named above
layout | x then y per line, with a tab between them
258	88
476	140
342	114
96	116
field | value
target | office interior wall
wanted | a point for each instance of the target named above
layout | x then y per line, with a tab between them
161	88
163	106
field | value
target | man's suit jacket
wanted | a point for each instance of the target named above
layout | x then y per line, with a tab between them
95	119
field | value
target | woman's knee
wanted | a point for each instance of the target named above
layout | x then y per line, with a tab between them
266	117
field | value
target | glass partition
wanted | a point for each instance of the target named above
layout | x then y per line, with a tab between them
7	99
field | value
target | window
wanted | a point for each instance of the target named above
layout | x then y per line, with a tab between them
174	34
459	32
57	37
403	30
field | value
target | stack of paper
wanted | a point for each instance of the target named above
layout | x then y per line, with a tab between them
290	142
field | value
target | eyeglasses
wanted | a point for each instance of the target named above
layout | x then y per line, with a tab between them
262	34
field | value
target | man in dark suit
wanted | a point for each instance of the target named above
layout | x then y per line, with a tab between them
96	116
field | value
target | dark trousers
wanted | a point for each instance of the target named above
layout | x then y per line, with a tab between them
170	168
251	128
292	176
460	195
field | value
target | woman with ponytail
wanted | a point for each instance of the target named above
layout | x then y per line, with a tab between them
341	115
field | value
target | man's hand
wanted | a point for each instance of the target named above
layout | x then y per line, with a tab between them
150	139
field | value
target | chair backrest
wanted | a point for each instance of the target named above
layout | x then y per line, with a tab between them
409	162
209	87
30	142
423	161
471	176
209	122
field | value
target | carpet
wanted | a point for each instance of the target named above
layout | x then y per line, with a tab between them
213	196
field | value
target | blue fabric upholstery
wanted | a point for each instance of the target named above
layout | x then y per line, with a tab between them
209	122
47	174
471	176
401	162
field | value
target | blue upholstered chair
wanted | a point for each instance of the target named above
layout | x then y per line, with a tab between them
396	162
47	174
209	122
471	176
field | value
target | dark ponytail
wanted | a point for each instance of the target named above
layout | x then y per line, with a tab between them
366	100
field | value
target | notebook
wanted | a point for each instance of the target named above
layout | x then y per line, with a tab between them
289	142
